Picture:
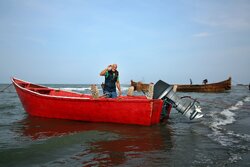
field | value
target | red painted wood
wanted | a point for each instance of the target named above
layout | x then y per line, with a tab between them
47	102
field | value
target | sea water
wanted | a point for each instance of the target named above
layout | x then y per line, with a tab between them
220	138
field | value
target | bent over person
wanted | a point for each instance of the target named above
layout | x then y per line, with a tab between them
111	81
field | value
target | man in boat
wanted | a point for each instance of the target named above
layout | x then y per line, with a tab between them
205	81
111	81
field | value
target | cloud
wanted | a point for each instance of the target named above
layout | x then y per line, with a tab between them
227	15
202	34
36	40
229	22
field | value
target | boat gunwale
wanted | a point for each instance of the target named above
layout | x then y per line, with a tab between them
76	98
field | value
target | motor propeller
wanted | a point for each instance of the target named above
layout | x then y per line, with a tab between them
185	105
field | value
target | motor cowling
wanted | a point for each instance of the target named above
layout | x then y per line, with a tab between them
185	105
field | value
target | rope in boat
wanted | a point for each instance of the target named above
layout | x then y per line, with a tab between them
6	87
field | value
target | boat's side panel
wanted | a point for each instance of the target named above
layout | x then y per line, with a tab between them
157	109
201	88
127	111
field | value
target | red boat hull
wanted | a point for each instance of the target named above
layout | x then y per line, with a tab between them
51	103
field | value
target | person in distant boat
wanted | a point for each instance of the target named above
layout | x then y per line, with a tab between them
111	81
205	81
191	82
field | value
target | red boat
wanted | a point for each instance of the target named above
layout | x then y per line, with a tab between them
49	102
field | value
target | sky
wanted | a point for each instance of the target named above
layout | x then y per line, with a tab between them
72	41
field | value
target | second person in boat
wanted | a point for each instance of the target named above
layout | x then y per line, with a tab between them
111	81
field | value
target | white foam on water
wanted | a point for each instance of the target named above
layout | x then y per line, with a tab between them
222	138
226	117
75	89
234	158
247	99
124	88
219	119
236	106
245	137
225	137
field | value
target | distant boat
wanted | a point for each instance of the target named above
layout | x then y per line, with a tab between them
212	87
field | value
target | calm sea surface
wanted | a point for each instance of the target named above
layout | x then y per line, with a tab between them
221	138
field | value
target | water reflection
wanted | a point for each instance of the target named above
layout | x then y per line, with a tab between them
132	141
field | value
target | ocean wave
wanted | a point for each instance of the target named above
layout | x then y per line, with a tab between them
223	118
75	89
234	157
222	138
226	137
226	116
246	99
7	106
236	106
88	88
245	137
124	88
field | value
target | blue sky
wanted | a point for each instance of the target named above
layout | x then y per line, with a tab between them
71	41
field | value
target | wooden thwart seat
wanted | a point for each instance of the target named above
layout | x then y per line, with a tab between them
147	89
94	91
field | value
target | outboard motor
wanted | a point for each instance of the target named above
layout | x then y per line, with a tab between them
185	105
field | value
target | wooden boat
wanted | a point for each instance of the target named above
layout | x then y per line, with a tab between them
48	102
213	87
